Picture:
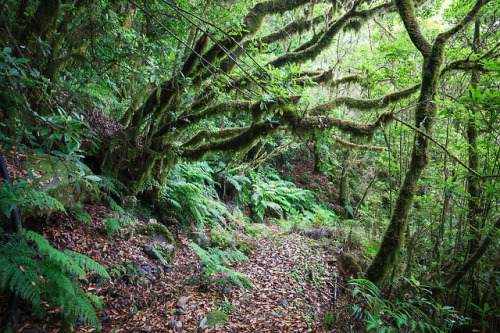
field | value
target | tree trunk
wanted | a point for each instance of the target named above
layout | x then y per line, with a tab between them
425	113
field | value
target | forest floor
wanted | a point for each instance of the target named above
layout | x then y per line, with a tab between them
296	285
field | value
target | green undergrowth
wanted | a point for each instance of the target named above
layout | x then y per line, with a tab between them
53	280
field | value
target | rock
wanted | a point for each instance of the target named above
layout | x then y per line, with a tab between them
183	300
156	249
284	303
199	238
226	291
130	201
214	318
157	229
182	310
148	250
175	325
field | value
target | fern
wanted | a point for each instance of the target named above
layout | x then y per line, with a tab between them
23	194
214	260
270	193
402	315
111	186
114	223
42	274
191	194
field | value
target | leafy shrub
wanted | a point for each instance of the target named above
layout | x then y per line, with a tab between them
23	195
41	274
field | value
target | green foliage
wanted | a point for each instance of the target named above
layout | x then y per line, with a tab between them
270	192
216	318
383	315
111	186
190	192
226	307
41	274
24	195
117	220
215	260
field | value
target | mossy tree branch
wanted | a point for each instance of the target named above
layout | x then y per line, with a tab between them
425	113
251	24
326	79
309	51
364	104
293	28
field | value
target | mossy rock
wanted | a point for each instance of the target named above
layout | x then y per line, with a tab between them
54	178
214	318
200	239
130	201
155	228
221	239
160	250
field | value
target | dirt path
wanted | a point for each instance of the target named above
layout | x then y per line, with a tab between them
294	287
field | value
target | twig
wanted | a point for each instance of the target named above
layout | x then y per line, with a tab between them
439	144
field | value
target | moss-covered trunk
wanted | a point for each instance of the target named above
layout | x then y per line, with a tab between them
425	113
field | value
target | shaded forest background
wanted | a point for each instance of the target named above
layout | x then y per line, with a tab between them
374	122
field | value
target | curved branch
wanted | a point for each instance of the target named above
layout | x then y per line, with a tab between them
293	28
365	104
244	140
311	49
205	135
251	24
326	79
351	145
312	123
406	11
466	20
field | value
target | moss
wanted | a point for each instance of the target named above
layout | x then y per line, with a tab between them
364	104
311	49
241	142
348	267
215	318
301	125
157	229
194	57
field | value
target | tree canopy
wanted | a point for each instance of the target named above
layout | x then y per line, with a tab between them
130	89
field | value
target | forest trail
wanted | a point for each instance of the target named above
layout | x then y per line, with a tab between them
294	286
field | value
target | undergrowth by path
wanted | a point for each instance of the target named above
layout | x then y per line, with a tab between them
294	286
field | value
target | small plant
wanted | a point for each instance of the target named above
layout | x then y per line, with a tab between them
271	193
117	220
24	195
382	315
329	321
46	277
214	261
190	192
226	307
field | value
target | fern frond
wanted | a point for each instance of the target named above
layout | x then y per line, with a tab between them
89	264
43	201
60	271
85	311
112	186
